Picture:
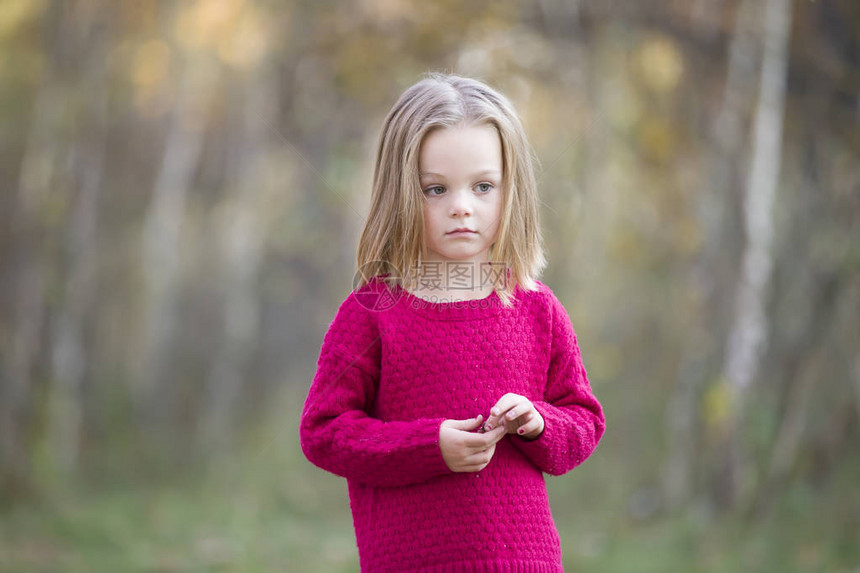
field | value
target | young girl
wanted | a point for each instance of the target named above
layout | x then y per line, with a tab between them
445	392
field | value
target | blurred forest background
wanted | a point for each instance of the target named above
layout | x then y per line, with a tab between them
183	188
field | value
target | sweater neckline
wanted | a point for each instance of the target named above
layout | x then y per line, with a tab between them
451	310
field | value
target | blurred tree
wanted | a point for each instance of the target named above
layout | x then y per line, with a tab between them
748	334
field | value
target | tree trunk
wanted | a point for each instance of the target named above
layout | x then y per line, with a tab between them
682	409
241	244
162	243
69	353
748	334
24	358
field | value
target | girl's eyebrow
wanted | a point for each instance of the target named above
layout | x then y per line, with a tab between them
479	174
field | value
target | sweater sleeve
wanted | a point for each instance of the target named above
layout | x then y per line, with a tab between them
573	418
336	430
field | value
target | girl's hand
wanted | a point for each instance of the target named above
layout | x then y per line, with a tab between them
518	415
465	450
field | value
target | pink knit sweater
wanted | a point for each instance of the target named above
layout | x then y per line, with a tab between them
391	368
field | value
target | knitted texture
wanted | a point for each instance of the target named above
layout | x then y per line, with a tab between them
391	368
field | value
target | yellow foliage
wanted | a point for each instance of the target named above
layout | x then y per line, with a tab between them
716	404
151	64
660	64
150	70
247	43
657	138
15	13
204	23
233	29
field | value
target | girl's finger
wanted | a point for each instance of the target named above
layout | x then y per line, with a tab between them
480	442
498	411
517	420
515	412
479	458
528	427
504	404
500	421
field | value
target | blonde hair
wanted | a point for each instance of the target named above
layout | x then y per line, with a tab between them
392	241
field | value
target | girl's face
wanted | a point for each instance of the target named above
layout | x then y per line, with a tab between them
460	171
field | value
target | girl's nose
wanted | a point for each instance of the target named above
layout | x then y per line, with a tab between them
461	204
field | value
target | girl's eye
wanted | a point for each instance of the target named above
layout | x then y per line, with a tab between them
484	188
